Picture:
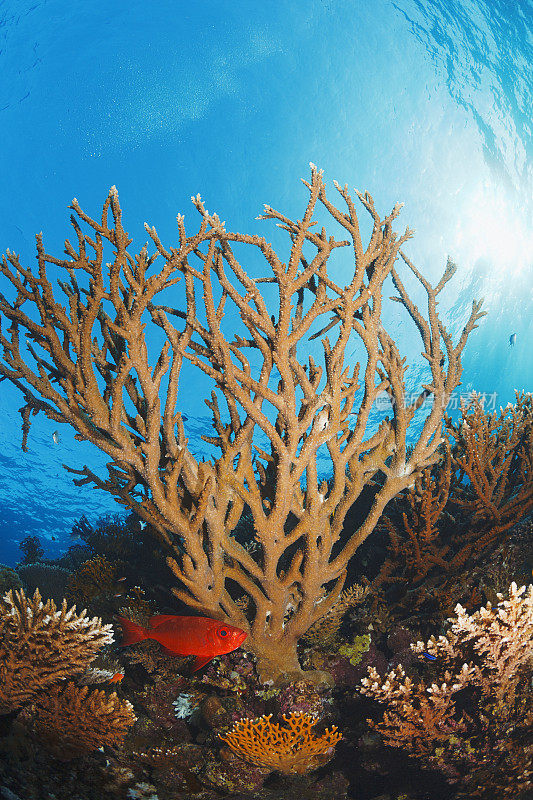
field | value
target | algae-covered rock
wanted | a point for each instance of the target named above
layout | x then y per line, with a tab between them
354	652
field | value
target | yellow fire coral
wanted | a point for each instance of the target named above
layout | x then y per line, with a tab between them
290	749
71	721
40	645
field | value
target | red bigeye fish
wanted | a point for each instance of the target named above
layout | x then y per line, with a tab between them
186	636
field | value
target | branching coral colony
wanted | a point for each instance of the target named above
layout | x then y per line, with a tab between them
41	645
460	509
40	648
92	370
488	657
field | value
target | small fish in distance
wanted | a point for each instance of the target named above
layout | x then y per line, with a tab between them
202	637
512	339
56	437
117	677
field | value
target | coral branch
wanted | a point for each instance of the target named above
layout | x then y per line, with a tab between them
40	645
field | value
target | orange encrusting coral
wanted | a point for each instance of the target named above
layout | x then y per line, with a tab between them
290	749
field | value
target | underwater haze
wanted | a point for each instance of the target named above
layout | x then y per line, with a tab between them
424	102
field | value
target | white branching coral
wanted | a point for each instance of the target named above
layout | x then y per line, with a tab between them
500	641
489	746
419	717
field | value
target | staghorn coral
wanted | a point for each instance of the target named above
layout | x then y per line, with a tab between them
420	547
70	720
426	550
325	632
89	364
40	645
513	558
94	578
460	510
487	744
290	749
495	453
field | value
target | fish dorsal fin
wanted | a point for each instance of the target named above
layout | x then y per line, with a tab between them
158	619
201	661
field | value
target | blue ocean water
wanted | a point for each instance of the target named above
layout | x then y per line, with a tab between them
427	103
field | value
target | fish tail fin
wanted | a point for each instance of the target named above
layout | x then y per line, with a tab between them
131	632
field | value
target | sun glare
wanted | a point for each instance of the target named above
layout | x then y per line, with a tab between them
494	229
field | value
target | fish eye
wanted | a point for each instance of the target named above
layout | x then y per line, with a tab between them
223	631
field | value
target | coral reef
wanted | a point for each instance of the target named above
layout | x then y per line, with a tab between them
257	537
459	510
174	748
93	371
9	579
494	452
